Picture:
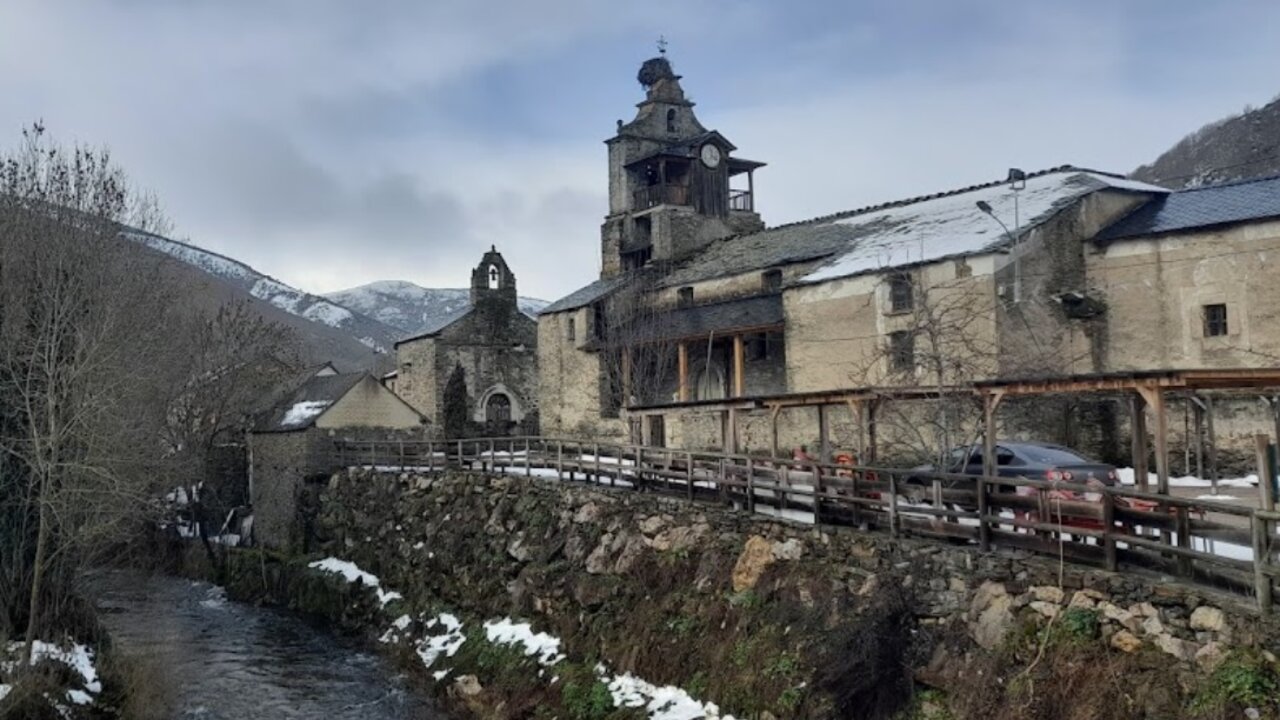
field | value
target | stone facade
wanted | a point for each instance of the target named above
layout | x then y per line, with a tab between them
494	343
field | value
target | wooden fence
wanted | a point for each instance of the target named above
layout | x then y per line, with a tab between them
1205	541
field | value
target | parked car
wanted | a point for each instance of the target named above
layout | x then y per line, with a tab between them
1031	460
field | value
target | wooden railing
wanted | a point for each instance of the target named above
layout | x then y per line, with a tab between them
655	195
741	200
1212	542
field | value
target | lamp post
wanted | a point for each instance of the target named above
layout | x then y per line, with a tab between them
1017	181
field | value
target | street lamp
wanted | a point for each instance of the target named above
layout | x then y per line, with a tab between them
1017	181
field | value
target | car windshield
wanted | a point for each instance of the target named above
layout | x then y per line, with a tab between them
1052	455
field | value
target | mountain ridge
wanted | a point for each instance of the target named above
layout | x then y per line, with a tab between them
409	307
1241	146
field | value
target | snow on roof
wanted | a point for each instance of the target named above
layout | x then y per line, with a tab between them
951	225
303	413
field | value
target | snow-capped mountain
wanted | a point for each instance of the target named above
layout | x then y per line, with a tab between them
408	307
319	310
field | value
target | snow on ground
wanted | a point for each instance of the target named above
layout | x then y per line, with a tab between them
505	632
1188	481
77	657
302	413
661	703
5	690
1228	498
351	573
327	313
447	643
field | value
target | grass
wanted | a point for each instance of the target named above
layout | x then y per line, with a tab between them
1244	679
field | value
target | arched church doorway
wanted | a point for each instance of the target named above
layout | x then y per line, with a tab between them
497	414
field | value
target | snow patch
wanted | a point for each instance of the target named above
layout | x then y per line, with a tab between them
1126	476
661	703
304	412
542	645
952	225
447	643
351	573
327	313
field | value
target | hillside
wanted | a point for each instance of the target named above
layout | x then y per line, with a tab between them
408	307
1235	148
328	330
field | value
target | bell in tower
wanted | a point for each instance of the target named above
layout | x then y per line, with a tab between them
674	185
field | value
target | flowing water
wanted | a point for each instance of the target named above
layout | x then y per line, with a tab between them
221	659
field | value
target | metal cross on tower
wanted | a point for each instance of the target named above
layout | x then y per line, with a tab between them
662	45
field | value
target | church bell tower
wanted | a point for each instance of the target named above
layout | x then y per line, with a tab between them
674	185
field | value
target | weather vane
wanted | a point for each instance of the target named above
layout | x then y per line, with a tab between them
662	45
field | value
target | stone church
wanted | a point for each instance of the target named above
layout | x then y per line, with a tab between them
492	341
706	329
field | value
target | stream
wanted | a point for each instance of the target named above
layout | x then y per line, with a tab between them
221	659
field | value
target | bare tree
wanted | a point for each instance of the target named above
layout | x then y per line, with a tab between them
638	356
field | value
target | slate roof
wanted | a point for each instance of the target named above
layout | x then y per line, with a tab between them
438	325
298	410
586	295
1201	207
903	232
703	320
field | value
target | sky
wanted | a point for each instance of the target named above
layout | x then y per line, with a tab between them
331	144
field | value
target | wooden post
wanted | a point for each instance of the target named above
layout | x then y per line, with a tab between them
824	442
1197	437
860	430
626	377
682	367
688	459
1261	559
739	367
720	481
1156	400
1213	439
773	426
595	451
1265	472
731	432
893	505
751	486
1184	539
1138	441
873	408
528	460
431	456
1109	527
817	494
984	528
560	460
460	464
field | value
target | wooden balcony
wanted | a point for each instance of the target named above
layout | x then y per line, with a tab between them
655	195
741	200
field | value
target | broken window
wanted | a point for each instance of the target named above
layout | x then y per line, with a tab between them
685	297
901	293
1215	320
771	281
902	351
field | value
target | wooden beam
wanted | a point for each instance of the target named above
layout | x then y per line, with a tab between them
860	429
731	432
1154	396
739	366
682	363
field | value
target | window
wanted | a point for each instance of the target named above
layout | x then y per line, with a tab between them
902	351
771	281
901	293
572	332
684	297
671	120
1215	320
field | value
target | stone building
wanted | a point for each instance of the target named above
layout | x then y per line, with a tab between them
700	309
293	439
493	342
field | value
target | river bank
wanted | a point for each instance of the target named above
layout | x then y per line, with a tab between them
521	598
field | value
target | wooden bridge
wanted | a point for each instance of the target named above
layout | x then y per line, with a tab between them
1210	542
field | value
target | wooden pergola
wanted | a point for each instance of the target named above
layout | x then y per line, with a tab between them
1144	389
863	404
